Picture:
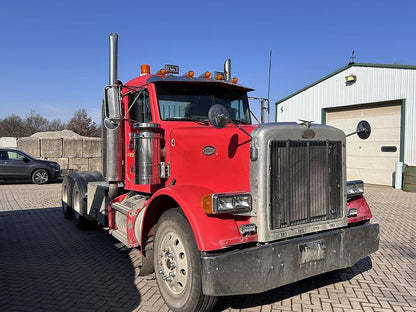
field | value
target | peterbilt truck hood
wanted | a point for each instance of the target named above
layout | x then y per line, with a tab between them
218	159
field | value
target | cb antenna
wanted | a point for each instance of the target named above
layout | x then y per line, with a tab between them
268	89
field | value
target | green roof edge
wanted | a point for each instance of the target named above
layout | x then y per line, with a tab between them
395	66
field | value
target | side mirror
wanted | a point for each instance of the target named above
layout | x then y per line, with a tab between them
363	130
218	116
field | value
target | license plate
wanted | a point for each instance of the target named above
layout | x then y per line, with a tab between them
312	251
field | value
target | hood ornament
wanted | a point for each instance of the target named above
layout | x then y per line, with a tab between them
306	123
307	133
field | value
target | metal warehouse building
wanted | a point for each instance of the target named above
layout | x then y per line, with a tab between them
384	95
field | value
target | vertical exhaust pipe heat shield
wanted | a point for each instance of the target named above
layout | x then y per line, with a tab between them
113	134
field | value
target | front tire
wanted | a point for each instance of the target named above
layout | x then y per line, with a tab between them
177	265
40	176
147	267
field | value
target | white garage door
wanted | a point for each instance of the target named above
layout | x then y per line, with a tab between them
372	160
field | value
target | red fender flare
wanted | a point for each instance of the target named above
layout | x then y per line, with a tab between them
211	232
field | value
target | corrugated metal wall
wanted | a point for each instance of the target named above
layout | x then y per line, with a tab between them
373	84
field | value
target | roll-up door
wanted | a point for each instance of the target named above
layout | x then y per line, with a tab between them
372	160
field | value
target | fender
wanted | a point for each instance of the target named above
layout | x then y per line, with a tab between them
212	232
363	210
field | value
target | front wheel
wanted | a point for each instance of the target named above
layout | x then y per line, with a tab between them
40	176
177	265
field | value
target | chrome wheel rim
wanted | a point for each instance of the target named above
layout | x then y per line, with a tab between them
173	263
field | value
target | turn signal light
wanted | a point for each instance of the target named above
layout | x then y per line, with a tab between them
206	203
144	69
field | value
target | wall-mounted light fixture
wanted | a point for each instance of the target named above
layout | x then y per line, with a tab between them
351	78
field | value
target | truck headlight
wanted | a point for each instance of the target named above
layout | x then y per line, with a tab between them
355	188
226	203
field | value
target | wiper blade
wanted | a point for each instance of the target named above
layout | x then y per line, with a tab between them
184	118
240	121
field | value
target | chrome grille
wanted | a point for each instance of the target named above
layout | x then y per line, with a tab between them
305	182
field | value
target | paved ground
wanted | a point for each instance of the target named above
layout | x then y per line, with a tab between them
48	265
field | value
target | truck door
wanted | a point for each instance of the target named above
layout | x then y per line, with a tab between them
139	112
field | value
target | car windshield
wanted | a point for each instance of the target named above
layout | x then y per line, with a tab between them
192	101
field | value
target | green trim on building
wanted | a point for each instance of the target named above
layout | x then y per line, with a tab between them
323	116
393	66
402	129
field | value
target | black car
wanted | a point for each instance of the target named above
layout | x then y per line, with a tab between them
16	165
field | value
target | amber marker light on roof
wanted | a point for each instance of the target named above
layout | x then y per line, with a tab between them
144	69
206	75
189	74
219	77
161	72
235	80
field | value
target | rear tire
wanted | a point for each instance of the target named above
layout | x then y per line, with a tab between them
177	265
40	176
66	195
79	208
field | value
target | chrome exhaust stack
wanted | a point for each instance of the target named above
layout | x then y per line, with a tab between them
227	70
112	124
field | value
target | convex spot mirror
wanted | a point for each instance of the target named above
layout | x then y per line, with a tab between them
218	116
363	129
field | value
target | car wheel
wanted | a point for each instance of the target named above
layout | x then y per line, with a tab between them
40	176
67	188
177	265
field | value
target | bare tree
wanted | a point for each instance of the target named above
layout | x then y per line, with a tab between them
82	124
56	125
13	126
35	123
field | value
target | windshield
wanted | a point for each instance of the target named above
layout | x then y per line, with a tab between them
192	101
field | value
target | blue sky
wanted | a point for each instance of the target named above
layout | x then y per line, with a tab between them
54	54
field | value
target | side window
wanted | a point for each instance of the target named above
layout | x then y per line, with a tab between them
14	156
140	106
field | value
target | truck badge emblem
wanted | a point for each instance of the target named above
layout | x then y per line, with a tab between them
208	150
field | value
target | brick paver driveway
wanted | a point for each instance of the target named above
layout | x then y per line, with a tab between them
46	264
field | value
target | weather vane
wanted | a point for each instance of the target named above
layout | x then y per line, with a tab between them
352	56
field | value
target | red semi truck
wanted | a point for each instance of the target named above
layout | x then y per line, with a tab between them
217	205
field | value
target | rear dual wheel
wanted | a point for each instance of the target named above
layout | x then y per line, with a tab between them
79	208
67	188
177	265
